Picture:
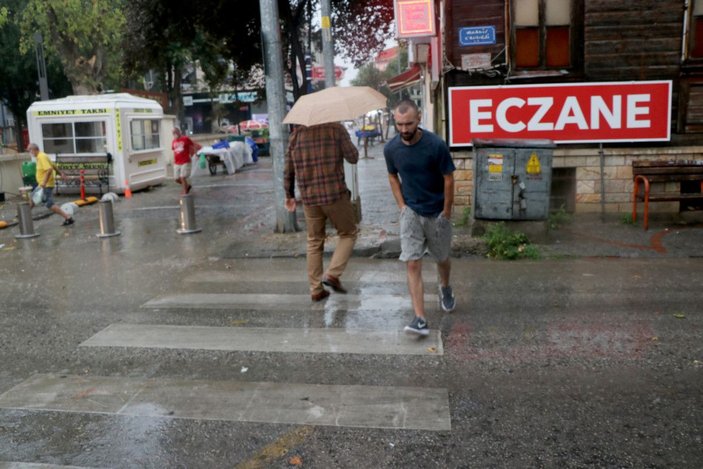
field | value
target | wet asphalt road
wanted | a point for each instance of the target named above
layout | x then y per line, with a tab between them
577	361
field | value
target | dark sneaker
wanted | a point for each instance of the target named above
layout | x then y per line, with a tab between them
418	326
68	221
446	299
188	189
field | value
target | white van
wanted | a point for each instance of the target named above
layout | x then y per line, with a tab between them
133	131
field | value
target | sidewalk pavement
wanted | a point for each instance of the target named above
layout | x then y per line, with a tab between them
236	213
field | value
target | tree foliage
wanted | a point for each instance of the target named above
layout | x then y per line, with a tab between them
18	70
84	34
361	28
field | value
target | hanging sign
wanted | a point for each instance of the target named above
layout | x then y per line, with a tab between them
415	18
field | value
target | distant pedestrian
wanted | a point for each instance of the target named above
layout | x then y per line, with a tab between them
315	156
46	181
183	151
421	175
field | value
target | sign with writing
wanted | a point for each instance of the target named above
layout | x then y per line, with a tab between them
70	112
477	36
415	18
636	111
476	61
318	73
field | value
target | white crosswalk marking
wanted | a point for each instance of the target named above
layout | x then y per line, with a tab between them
268	301
367	321
289	403
265	339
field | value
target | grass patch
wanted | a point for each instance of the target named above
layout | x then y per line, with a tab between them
626	219
509	245
464	220
558	218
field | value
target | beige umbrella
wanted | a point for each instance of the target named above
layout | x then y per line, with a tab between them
335	104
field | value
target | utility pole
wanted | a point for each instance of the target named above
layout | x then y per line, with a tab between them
327	46
276	102
41	67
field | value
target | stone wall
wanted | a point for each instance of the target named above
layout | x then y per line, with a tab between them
617	176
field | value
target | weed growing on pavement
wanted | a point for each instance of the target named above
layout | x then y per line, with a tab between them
558	218
464	220
505	244
626	219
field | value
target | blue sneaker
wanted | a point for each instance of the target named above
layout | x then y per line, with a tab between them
446	299
418	326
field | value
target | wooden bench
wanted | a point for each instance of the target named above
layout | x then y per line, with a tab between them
648	172
84	172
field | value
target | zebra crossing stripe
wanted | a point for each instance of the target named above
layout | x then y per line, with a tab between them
268	275
267	301
258	339
416	408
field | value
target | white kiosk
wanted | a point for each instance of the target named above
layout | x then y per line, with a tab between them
133	130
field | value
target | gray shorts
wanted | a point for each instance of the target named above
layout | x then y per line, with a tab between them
419	234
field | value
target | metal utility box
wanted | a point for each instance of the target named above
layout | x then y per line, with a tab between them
512	179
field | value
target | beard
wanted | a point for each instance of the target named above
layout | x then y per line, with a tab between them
408	136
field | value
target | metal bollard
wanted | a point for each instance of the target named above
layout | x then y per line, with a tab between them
24	215
188	215
107	221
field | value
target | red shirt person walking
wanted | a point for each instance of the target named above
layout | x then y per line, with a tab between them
183	150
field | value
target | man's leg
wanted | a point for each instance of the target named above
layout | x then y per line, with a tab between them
416	287
444	269
315	220
343	218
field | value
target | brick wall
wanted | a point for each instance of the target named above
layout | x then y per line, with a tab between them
617	175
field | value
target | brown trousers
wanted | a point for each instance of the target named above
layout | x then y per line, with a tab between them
341	214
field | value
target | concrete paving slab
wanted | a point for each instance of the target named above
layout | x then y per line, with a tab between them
285	340
416	408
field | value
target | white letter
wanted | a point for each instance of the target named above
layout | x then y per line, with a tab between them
633	111
571	114
502	119
475	115
545	104
599	108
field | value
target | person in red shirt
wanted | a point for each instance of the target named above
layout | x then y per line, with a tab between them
183	150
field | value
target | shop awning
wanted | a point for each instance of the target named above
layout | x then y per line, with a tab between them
408	78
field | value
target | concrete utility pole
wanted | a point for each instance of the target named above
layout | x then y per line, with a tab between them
276	102
327	46
41	67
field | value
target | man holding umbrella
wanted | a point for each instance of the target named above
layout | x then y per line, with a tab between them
315	157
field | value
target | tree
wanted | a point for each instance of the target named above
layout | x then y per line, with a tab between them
84	34
159	33
18	71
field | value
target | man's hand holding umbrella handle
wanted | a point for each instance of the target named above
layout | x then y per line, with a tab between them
291	204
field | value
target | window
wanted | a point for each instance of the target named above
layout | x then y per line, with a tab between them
696	30
74	137
543	33
145	134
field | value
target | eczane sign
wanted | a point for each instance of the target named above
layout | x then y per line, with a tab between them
565	113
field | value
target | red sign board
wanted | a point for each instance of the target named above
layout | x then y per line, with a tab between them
566	113
318	73
415	18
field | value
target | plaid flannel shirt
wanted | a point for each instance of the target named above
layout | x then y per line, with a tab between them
315	156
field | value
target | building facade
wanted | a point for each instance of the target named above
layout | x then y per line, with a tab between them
524	53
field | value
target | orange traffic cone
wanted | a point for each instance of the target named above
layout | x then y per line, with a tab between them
127	190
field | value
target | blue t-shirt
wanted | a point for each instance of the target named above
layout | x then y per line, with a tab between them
422	167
